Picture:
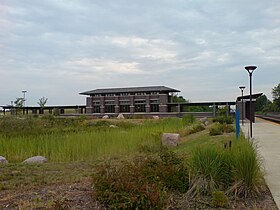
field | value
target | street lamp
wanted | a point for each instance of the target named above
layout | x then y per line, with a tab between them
250	70
242	105
24	91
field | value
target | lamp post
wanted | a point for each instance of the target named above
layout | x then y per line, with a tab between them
242	104
250	70
24	91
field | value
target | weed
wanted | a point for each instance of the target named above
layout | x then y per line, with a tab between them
219	199
188	119
223	119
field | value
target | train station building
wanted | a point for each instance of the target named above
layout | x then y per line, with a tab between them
150	99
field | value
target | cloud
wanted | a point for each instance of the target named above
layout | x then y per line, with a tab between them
59	48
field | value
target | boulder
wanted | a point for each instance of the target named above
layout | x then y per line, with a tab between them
3	160
120	116
36	159
204	120
170	139
156	117
105	117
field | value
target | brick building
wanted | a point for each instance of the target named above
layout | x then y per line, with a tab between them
129	100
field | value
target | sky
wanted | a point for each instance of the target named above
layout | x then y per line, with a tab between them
59	48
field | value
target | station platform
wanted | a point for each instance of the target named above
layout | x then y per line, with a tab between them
267	136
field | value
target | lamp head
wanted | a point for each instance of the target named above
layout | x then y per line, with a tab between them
242	87
250	69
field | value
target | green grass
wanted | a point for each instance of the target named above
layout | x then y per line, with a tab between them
92	140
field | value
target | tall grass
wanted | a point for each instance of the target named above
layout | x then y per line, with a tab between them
236	170
74	144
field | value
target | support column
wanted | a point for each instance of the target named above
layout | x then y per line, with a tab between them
214	110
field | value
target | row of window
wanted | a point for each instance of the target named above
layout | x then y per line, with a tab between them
126	102
127	94
126	108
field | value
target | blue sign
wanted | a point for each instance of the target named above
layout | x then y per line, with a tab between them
237	125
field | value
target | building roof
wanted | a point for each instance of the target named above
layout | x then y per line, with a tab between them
130	90
254	96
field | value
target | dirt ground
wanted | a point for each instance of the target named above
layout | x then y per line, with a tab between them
79	195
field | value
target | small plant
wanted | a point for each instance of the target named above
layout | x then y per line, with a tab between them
246	165
188	119
219	199
216	130
223	119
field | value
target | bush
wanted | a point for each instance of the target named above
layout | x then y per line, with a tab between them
141	183
219	199
125	186
216	130
246	168
188	119
223	119
210	170
219	129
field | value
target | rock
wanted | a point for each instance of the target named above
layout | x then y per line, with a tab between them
113	126
105	117
36	159
120	116
3	160
156	117
170	139
204	120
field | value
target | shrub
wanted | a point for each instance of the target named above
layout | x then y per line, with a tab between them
188	119
223	119
210	170
219	199
216	130
141	183
219	129
246	168
126	186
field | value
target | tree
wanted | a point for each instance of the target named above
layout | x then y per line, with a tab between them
276	95
42	102
19	102
261	103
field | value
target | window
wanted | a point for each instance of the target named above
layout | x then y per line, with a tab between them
140	108
124	94
140	94
109	108
154	108
109	102
96	109
124	108
96	95
154	93
154	101
140	101
110	94
124	102
95	103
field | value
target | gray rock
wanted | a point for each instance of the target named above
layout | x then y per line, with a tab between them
120	116
36	159
156	117
105	117
204	120
170	139
3	160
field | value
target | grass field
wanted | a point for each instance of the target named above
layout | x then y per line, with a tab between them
126	153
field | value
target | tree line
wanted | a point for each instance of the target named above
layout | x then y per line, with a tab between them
264	105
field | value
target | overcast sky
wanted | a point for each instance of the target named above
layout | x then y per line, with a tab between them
59	48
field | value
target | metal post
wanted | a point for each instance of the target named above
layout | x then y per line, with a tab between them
242	107
250	70
251	111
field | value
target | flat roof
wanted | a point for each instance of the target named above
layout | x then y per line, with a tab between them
130	90
254	96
